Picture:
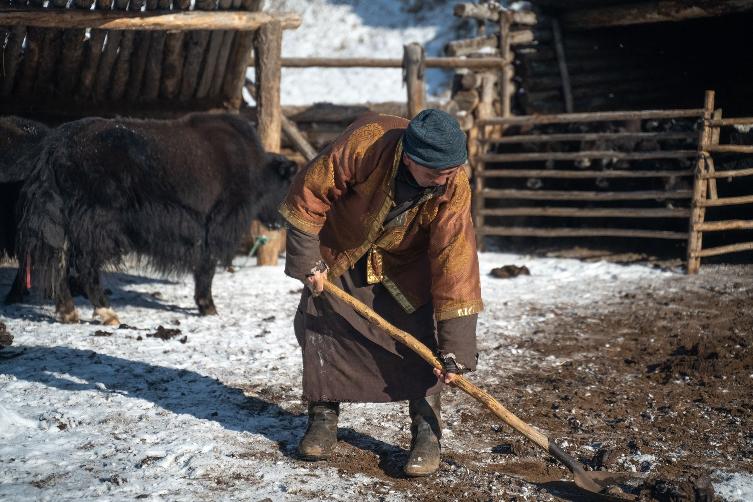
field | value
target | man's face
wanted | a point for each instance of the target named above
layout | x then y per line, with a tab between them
428	177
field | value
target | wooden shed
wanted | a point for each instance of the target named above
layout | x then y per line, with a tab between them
156	58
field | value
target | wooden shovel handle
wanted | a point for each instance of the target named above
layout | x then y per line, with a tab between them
427	355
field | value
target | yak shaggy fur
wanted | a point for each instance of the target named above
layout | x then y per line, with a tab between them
177	194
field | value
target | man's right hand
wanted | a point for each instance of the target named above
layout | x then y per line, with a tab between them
317	277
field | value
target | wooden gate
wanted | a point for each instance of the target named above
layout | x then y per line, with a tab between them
705	193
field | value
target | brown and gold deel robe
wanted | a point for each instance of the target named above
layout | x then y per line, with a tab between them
416	268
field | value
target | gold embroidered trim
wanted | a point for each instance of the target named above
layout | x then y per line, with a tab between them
459	309
398	295
297	220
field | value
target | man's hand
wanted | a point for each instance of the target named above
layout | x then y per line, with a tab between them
317	277
445	376
316	282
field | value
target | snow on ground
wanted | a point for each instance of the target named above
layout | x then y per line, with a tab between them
128	415
359	28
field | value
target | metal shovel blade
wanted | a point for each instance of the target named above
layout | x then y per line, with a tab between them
607	484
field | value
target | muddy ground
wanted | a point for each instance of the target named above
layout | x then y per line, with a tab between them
656	381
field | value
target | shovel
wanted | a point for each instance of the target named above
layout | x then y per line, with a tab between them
601	483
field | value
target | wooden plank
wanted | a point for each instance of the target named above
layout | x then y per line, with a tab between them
732	248
594	117
189	20
560	173
91	63
583	232
491	193
589	154
716	226
567	91
576	212
732	121
728	174
222	60
172	65
729	148
594	136
726	201
12	58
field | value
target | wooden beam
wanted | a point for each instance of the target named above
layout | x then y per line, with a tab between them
595	154
567	90
576	212
651	12
267	47
594	117
113	20
559	173
732	248
591	136
583	232
453	62
413	57
491	193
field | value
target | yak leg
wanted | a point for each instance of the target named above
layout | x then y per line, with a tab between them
64	306
90	281
18	288
202	276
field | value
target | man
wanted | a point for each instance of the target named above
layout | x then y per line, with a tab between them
384	214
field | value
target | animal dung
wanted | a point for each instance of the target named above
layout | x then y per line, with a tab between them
509	271
165	334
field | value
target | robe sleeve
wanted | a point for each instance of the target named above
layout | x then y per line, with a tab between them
457	338
327	178
301	253
455	281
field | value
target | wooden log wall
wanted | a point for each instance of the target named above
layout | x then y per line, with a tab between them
77	71
639	66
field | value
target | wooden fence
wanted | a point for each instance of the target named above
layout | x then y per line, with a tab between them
703	195
705	192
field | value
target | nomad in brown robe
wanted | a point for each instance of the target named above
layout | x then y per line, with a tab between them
406	251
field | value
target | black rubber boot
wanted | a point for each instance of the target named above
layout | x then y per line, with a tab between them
321	434
426	429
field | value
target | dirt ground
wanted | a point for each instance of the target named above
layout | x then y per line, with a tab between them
655	381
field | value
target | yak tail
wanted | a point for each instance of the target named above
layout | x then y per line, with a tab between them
42	243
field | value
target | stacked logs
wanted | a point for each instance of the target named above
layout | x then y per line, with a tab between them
480	94
68	69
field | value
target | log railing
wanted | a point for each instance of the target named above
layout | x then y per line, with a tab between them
621	207
705	193
700	146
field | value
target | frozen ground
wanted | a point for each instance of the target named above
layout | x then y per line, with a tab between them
217	415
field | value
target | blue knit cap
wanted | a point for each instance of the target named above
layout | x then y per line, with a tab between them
434	139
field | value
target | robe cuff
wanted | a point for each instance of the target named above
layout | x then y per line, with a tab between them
301	253
457	338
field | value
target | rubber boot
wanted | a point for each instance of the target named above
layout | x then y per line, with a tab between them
321	434
426	429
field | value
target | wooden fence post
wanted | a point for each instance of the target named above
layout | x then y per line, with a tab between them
413	74
268	47
700	188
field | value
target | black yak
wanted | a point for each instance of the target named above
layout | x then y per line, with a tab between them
18	140
179	194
